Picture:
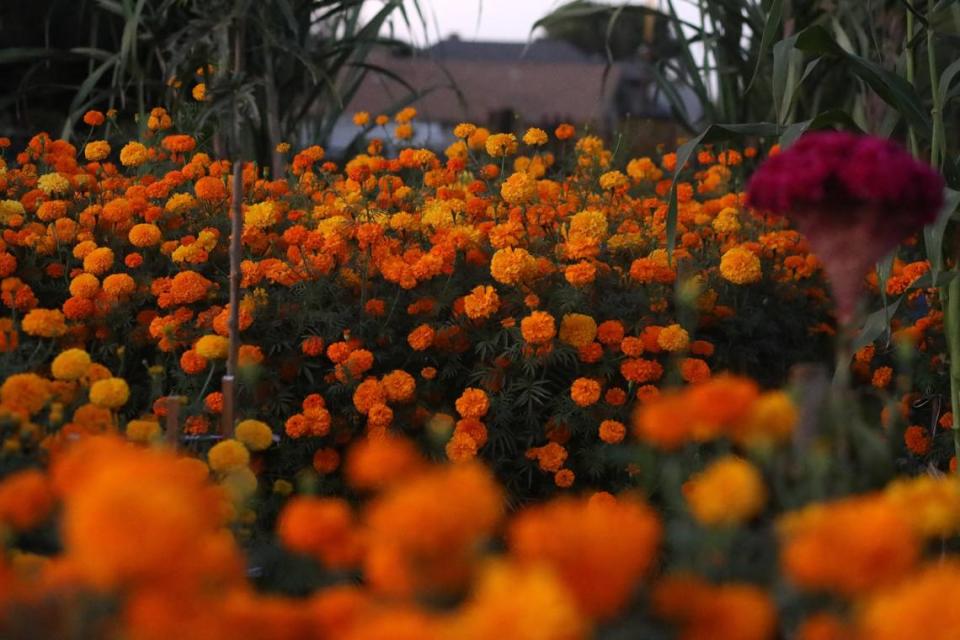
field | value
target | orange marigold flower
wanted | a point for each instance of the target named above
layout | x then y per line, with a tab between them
599	548
549	457
421	338
210	189
512	265
473	403
673	338
882	377
320	527
917	439
179	143
728	492
577	329
98	261
538	328
565	131
312	346
564	478
44	323
93	118
585	392
612	431
481	302
399	386
326	460
729	611
25	499
834	546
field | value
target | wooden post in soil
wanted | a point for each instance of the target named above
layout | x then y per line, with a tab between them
236	230
173	421
228	386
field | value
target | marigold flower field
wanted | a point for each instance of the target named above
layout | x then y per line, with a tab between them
478	396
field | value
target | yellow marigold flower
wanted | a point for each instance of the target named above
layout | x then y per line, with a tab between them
932	505
199	92
403	131
111	393
143	431
227	455
10	209
538	328
772	418
727	221
500	145
673	338
511	265
180	202
728	492
740	266
53	184
613	180
282	147
361	118
519	188
643	169
535	137
585	392
97	150
70	364
25	391
405	115
239	484
590	223
256	435
44	323
464	130
133	154
577	330
145	235
481	303
212	347
260	215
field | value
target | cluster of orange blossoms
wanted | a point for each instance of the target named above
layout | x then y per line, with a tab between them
431	348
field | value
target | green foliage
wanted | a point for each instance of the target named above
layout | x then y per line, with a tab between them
282	63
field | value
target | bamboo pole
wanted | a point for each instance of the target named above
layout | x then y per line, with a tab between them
228	383
236	231
172	431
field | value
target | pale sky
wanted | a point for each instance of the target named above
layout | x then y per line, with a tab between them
499	20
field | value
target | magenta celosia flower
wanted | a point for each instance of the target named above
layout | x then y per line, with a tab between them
854	197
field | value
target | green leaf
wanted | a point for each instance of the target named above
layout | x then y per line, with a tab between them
876	324
770	28
19	55
946	79
933	234
945	18
892	88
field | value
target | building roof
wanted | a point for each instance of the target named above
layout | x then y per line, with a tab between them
549	81
537	51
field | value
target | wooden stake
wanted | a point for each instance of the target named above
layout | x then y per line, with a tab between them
236	232
173	421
